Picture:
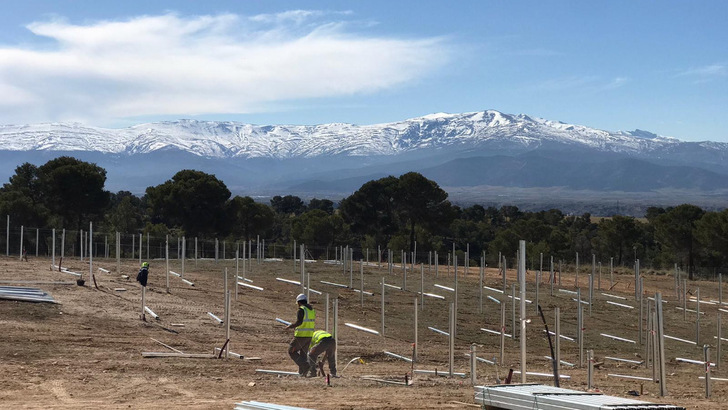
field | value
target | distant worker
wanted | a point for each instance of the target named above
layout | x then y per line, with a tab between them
304	325
322	342
25	255
143	274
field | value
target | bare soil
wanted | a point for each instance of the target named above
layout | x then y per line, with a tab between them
85	352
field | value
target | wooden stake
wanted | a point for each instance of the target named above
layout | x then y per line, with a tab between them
697	317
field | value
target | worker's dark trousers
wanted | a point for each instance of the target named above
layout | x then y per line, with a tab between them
297	350
328	345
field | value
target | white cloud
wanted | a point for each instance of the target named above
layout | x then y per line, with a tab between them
173	65
588	83
705	73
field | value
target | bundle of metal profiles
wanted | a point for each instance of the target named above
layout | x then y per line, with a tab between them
25	294
255	405
540	397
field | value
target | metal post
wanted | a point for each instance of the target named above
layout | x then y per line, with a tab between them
611	272
719	351
227	319
501	356
503	272
416	344
661	344
455	311
580	327
557	338
685	299
720	289
422	286
473	361
437	264
404	270
552	279
640	319
538	283
648	334
7	237
576	271
37	239
144	290
451	339
636	278
697	317
383	287
480	286
361	282
706	356
590	369
335	332
91	251
166	259
53	249
237	270
522	280
514	330
184	251
118	250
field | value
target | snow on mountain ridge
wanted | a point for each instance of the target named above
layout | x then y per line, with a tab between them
228	139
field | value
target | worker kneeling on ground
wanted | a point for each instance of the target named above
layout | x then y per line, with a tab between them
322	342
304	325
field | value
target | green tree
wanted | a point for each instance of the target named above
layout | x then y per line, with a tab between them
618	235
712	234
249	218
370	210
288	205
73	190
325	205
192	200
21	197
420	201
675	231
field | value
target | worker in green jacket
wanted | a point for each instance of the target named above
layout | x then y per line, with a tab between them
322	342
304	325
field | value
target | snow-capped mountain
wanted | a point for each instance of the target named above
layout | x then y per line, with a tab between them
216	139
476	149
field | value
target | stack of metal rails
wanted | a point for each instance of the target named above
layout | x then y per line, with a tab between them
541	397
259	405
25	294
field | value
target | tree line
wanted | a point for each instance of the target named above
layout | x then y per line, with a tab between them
398	213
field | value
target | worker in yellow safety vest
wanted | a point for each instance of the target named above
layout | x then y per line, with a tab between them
322	342
304	325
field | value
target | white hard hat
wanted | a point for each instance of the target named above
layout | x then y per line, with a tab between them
300	297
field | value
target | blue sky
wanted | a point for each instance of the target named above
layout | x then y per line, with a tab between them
614	65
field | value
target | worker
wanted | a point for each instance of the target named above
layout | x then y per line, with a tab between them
322	342
304	325
143	274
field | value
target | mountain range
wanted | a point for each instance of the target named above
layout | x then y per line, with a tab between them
467	153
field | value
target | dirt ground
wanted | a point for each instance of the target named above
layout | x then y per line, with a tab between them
85	352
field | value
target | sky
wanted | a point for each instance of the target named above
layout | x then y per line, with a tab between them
660	66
